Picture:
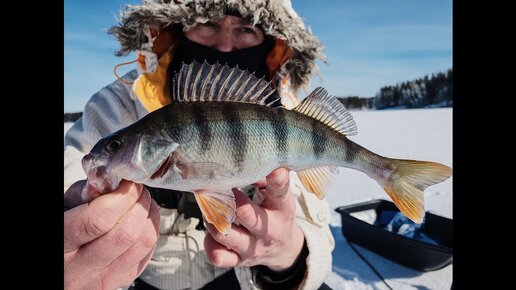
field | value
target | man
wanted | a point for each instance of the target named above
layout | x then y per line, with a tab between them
123	235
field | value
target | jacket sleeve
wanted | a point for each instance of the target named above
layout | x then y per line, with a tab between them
313	216
110	109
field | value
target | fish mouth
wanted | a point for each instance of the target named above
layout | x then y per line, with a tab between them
98	176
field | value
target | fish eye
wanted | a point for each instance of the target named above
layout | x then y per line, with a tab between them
114	144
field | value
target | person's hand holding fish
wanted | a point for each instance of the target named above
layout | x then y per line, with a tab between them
109	241
266	234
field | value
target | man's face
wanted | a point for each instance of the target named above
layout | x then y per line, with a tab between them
228	34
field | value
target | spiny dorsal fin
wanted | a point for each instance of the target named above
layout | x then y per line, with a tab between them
318	179
198	82
327	109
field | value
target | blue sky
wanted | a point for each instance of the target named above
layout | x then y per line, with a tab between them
368	44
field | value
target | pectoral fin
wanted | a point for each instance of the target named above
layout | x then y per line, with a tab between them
189	168
204	170
218	208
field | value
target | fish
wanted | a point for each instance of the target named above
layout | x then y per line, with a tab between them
223	130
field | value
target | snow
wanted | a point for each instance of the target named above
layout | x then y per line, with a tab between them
420	134
67	126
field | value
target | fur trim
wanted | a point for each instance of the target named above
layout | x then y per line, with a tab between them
275	16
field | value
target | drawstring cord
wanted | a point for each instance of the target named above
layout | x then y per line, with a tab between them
119	65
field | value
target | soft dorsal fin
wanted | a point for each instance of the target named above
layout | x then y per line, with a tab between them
198	82
327	109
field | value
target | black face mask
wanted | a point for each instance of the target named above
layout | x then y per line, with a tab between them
252	59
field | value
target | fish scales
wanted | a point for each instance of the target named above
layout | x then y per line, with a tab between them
250	136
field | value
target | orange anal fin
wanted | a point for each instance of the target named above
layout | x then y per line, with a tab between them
318	180
218	208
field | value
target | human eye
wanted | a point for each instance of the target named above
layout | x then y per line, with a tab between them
207	29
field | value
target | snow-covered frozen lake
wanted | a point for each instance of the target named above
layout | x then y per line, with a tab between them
421	134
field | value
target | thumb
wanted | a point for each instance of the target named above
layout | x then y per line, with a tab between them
72	196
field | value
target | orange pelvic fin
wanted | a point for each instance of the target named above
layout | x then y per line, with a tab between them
218	208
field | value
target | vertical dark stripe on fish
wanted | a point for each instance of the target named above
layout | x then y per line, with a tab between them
280	127
202	126
170	117
350	152
319	139
237	135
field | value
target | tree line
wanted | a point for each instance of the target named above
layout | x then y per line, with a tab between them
72	117
427	92
435	91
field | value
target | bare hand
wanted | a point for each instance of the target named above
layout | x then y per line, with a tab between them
110	240
268	233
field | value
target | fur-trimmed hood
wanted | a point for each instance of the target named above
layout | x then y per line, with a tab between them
276	17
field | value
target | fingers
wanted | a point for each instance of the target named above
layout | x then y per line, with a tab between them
219	255
243	243
238	239
235	247
248	214
87	222
132	262
261	227
102	251
277	195
278	182
262	236
123	279
261	184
